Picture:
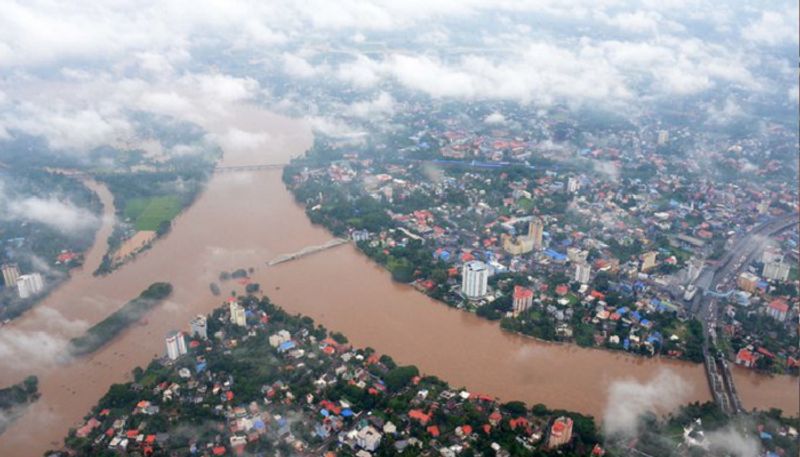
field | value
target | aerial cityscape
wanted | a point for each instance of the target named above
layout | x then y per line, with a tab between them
374	228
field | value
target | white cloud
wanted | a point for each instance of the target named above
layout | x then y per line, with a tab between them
379	106
58	214
629	399
774	28
297	66
495	118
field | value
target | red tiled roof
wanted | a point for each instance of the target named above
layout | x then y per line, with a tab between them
419	415
433	430
779	305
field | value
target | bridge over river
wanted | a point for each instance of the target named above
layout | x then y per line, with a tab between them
308	250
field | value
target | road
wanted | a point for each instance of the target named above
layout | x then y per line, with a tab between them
704	307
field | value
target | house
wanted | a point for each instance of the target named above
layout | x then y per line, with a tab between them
368	438
745	358
778	309
560	432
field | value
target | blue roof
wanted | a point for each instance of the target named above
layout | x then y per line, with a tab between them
554	255
637	316
626	344
347	412
324	412
622	310
258	424
645	322
286	346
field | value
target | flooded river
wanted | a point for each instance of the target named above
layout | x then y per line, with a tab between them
245	219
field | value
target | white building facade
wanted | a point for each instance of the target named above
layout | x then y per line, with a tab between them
30	284
475	279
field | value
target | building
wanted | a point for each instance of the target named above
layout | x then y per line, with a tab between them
535	232
199	327
29	285
474	279
176	344
359	235
10	274
573	184
776	271
649	260
523	299
747	281
778	309
368	438
583	272
663	137
693	268
745	358
516	245
576	255
560	432
237	314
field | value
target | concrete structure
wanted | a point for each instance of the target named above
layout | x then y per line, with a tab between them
29	285
583	272
516	245
778	309
237	314
368	438
693	268
747	281
10	274
663	137
474	279
176	344
776	271
535	232
279	338
523	299
573	184
649	260
560	432
199	327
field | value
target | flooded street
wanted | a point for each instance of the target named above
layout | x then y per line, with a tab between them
243	220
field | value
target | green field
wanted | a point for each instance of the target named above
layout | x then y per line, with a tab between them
149	213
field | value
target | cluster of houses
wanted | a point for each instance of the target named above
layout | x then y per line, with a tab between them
186	405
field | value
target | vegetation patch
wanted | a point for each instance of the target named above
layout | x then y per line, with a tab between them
108	328
150	213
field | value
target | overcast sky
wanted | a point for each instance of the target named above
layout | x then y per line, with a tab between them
73	72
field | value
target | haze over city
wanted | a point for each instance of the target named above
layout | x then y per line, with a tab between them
373	228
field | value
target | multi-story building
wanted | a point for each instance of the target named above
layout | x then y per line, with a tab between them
560	432
474	279
10	274
199	327
523	299
776	271
368	438
778	309
649	260
516	245
663	137
237	314
29	285
176	344
747	281
535	232
583	272
573	184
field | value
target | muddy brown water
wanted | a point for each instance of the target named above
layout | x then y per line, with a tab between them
246	219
